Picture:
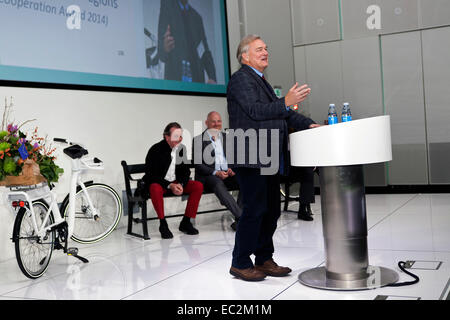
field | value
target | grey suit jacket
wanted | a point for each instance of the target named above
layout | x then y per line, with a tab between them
203	155
254	108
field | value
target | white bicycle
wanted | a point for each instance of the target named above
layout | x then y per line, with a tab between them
89	213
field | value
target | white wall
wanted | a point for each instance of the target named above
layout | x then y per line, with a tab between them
112	126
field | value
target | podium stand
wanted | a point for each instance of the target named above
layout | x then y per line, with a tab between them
340	151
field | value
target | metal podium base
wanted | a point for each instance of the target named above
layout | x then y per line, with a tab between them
376	277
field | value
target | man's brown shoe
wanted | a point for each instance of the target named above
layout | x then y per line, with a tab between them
249	274
270	268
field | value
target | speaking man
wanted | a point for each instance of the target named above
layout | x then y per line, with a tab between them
254	109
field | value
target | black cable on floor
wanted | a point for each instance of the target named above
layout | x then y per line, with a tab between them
401	265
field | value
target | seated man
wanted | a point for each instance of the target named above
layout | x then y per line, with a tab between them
306	177
165	172
211	166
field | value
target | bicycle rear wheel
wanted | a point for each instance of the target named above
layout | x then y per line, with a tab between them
33	253
89	228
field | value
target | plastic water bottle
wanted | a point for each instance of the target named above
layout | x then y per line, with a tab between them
184	71
332	115
346	113
188	71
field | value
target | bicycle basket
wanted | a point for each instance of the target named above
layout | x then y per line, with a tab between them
37	191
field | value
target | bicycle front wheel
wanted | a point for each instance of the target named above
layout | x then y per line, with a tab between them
90	227
33	252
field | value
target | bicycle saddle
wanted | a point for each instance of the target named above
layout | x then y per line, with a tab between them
75	151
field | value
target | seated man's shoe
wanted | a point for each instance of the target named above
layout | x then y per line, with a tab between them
187	227
249	274
304	217
270	268
164	230
165	233
308	209
305	213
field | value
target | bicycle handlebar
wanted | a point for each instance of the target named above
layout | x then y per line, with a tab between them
63	140
94	163
60	140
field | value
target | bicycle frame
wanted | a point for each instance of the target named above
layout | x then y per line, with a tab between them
78	166
42	191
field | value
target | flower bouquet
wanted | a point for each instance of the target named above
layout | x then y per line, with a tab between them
25	161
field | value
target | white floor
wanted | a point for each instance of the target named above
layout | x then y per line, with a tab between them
401	227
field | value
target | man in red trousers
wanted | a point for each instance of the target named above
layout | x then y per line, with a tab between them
166	172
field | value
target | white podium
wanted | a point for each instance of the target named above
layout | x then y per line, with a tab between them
340	151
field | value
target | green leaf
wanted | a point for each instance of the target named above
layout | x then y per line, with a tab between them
13	140
4	146
9	166
3	134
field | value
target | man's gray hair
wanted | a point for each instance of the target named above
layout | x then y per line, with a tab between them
243	45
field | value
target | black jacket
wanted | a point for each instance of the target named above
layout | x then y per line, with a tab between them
158	161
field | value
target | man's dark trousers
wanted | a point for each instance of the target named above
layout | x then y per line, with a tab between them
220	188
261	194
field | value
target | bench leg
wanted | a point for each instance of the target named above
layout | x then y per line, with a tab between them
145	235
287	197
144	221
130	218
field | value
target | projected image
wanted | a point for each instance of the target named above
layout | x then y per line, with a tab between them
86	37
182	36
165	45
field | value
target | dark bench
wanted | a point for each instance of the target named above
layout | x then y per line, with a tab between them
288	182
140	196
286	193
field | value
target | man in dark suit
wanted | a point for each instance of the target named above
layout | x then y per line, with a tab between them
304	175
254	109
182	40
211	167
167	172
